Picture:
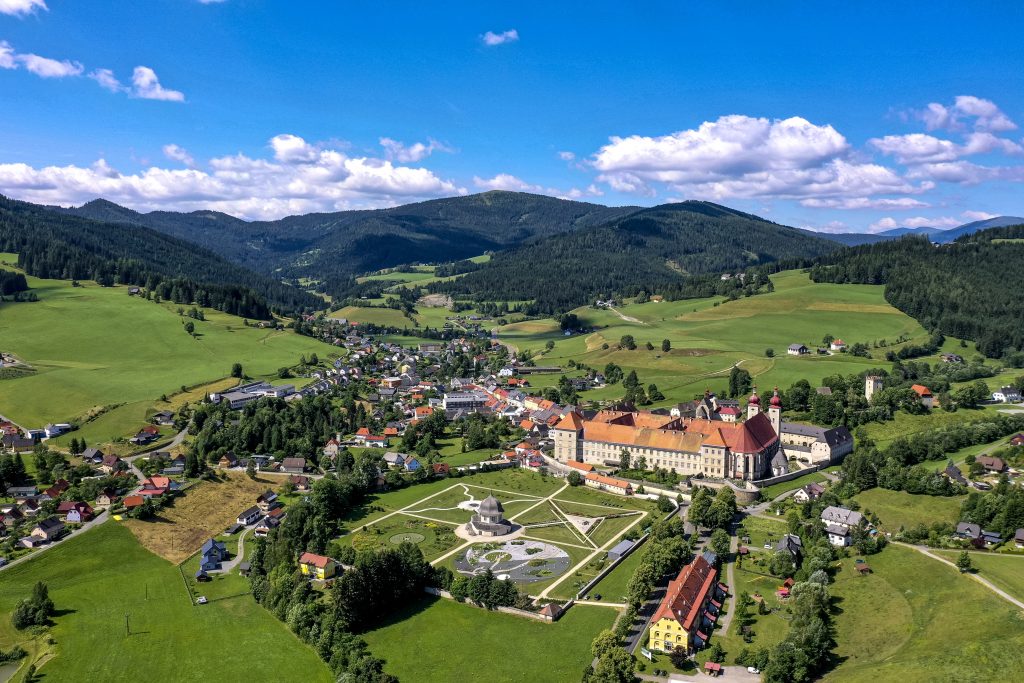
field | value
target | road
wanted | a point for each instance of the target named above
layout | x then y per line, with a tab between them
226	567
924	550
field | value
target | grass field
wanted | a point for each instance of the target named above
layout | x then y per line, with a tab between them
205	510
776	490
708	339
421	644
613	587
915	619
101	576
899	508
96	346
1005	571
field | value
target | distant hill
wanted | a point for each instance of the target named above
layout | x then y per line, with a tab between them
656	249
50	245
937	235
976	226
352	242
853	239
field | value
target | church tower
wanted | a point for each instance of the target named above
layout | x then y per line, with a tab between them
775	412
753	404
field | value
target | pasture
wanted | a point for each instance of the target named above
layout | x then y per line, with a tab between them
96	347
103	577
897	509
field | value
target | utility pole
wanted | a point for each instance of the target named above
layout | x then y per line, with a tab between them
127	628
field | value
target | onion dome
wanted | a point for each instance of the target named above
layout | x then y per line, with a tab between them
754	399
776	402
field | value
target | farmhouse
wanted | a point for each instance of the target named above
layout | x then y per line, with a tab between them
293	465
689	609
689	446
797	350
1006	395
925	394
837	345
212	554
991	463
603	483
317	566
839	523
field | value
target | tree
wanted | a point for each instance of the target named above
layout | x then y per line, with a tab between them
190	327
616	666
549	344
720	543
679	657
666	345
236	370
963	562
653	394
35	610
625	460
605	642
631	381
250	469
575	478
716	654
769	353
627	342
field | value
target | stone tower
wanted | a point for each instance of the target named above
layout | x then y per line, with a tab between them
872	384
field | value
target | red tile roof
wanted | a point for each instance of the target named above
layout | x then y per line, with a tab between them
315	560
686	593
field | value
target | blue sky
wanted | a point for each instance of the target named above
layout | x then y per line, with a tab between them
855	116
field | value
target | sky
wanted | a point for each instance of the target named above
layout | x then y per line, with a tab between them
833	116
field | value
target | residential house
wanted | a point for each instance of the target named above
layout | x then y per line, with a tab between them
837	345
227	460
106	497
13	443
293	465
1017	440
792	544
1006	395
300	482
797	350
93	456
250	516
212	554
59	487
393	459
267	501
968	531
154	487
132	502
839	524
689	609
164	417
111	464
811	491
1018	538
925	394
991	463
48	529
264	526
953	473
75	512
441	469
317	566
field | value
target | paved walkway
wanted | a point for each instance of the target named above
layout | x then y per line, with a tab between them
723	624
983	581
226	567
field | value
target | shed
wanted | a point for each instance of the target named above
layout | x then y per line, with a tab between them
620	549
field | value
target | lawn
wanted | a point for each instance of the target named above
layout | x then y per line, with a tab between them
761	529
424	644
96	346
1005	571
613	587
899	508
775	490
437	538
915	619
101	576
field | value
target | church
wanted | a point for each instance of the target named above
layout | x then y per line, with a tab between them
708	445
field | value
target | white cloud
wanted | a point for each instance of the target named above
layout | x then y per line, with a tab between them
863	203
211	2
918	148
301	178
44	67
986	115
567	156
147	86
180	154
107	80
21	7
978	215
398	151
888	223
506	181
492	39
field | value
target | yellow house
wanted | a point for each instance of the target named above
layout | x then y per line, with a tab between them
317	566
688	612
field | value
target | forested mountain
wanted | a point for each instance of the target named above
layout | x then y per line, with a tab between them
854	239
656	250
968	289
937	235
52	245
332	246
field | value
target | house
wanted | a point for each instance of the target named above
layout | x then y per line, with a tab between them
1006	395
267	501
59	487
392	459
441	469
991	463
228	460
264	526
75	512
92	456
1018	538
164	417
837	345
48	529
155	486
689	609
991	537
797	350
250	516
603	483
968	531
300	482
412	464
811	491
317	566
839	523
106	497
293	465
1017	440
212	554
925	394
14	443
132	502
953	473
111	464
792	544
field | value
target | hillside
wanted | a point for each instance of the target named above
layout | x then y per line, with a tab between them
958	289
936	235
332	246
654	249
51	245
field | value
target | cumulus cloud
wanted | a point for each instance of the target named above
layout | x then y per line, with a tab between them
147	86
978	215
180	154
300	178
21	7
984	115
888	223
863	203
567	156
506	181
492	39
399	151
44	67
107	80
918	148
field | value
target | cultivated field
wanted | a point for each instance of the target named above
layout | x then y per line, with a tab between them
95	346
205	510
98	578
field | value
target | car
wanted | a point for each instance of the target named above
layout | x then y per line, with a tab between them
3	561
597	596
201	600
768	545
753	670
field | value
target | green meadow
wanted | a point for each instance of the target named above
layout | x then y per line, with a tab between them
94	346
103	577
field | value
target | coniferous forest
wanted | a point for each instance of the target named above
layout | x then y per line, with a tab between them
968	289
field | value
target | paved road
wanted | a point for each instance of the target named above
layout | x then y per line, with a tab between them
729	673
96	521
983	581
723	624
226	567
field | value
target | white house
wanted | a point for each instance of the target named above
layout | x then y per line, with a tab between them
1006	395
837	345
839	522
